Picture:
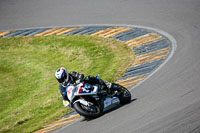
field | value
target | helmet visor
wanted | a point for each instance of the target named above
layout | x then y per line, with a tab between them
61	80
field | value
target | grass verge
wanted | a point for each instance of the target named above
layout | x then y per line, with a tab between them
29	94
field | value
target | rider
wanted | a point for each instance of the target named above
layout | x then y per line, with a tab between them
72	78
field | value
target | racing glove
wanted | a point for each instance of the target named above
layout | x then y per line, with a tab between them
65	103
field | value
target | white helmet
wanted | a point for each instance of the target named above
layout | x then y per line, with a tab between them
62	75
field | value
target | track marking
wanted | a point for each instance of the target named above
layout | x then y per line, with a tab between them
5	33
103	32
133	81
68	30
143	40
150	57
55	31
115	32
58	124
111	32
45	32
130	79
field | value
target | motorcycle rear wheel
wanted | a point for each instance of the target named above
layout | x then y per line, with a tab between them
87	113
125	95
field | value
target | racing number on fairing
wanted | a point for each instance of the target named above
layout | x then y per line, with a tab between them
84	90
70	94
69	90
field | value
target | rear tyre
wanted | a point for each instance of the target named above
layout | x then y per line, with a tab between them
89	112
124	94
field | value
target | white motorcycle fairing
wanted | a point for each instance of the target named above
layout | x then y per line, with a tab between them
110	103
80	90
84	89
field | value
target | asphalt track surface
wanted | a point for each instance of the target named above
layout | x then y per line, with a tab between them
169	101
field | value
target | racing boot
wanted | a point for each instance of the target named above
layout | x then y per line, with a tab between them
108	84
113	87
109	87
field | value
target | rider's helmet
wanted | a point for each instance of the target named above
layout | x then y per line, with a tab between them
62	75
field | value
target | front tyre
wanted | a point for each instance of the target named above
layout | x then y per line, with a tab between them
92	111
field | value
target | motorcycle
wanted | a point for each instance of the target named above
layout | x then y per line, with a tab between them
92	101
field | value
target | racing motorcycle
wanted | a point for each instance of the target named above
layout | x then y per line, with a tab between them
92	101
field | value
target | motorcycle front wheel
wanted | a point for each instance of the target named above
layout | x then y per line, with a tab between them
92	111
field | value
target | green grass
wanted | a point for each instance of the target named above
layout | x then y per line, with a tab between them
29	94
